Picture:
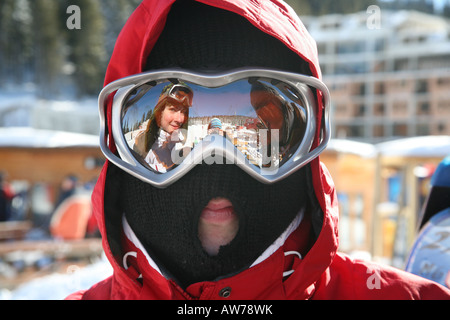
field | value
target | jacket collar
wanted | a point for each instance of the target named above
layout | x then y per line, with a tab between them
276	266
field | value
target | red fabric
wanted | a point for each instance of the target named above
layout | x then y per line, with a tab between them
8	192
322	273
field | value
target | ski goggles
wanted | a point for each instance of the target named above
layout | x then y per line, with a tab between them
163	123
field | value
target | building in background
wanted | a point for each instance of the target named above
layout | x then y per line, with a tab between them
388	80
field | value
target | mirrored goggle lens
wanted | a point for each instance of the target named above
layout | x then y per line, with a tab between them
263	119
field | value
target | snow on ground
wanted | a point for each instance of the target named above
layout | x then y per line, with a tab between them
58	286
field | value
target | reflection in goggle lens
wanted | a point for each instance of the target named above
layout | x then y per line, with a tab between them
163	121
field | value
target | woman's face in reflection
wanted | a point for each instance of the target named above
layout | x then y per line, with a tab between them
173	117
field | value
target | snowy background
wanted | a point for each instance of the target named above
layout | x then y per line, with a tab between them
59	285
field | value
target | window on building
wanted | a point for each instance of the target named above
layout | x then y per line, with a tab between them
379	109
423	129
400	129
379	131
350	131
442	128
351	68
422	86
380	45
362	89
401	64
357	131
351	47
379	88
360	110
322	48
423	108
434	62
445	82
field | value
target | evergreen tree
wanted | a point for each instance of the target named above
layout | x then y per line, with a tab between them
6	9
302	8
87	46
48	46
116	14
446	10
35	43
15	40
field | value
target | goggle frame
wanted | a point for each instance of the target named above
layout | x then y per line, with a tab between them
302	156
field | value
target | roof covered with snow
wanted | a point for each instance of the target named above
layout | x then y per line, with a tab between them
25	137
361	149
425	146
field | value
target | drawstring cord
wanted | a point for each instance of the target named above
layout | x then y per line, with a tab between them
289	253
125	263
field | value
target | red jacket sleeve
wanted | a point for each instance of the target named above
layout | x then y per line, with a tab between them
349	279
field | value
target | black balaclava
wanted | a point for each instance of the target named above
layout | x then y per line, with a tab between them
201	37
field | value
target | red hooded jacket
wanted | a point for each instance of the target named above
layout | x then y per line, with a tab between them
320	274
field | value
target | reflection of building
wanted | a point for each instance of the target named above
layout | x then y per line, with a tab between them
387	82
248	143
234	120
238	129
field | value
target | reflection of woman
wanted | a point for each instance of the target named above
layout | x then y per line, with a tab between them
215	126
162	134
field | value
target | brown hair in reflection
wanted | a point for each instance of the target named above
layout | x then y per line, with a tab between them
170	114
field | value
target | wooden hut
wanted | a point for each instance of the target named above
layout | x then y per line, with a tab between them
404	168
352	166
39	160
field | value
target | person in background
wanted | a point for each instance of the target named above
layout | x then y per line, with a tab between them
67	189
430	255
215	126
6	196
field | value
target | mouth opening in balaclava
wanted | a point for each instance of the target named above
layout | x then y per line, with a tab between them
200	37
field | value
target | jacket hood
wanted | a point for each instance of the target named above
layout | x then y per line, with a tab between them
275	18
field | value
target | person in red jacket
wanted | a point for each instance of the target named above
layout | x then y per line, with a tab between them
249	215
